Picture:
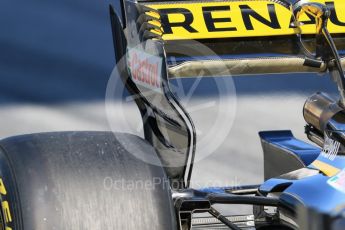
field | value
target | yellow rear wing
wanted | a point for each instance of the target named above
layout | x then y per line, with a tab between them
238	18
248	36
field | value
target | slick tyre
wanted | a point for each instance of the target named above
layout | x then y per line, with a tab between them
82	180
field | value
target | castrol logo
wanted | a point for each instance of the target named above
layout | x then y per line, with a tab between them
145	69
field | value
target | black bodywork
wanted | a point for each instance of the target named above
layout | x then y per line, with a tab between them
132	30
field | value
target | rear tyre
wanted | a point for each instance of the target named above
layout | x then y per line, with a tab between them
82	180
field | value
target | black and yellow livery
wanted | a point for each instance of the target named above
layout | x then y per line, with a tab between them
242	37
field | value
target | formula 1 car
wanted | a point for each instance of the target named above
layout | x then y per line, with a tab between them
79	180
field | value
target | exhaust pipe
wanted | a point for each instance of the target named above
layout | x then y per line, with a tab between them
324	113
326	119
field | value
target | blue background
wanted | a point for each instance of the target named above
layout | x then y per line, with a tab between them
61	51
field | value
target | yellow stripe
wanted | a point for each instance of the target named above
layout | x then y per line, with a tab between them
155	23
327	169
153	14
232	16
